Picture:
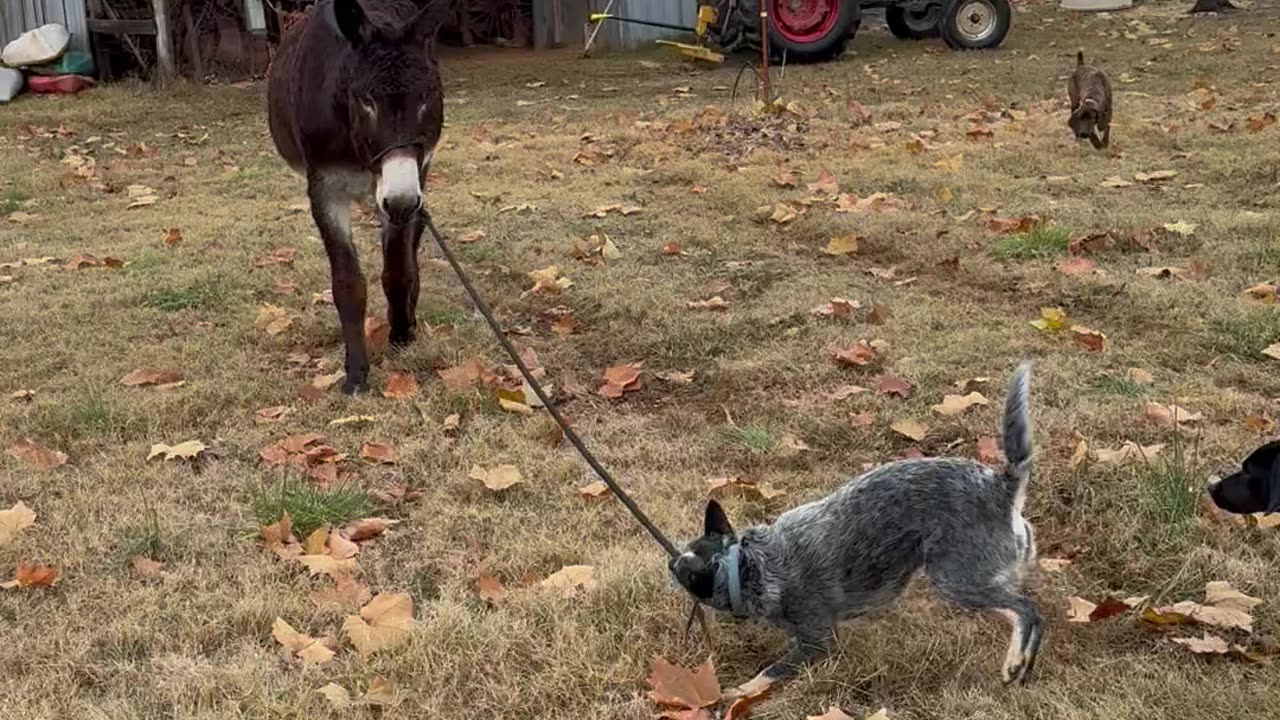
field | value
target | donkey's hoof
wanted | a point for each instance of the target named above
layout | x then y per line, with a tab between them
353	384
400	341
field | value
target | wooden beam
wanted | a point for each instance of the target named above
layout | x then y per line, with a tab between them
121	27
164	39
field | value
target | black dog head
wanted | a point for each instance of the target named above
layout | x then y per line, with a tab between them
695	570
1084	119
1255	488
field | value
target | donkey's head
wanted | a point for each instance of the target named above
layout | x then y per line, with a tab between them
395	101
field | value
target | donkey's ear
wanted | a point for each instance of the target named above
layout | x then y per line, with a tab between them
424	26
716	522
352	21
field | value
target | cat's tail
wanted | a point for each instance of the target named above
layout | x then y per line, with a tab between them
1017	431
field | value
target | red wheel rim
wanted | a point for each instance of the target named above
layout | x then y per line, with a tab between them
803	21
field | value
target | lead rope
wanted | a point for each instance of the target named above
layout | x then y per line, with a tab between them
696	609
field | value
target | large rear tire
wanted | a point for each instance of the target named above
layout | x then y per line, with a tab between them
975	24
803	30
912	23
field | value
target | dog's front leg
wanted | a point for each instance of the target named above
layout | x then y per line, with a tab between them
1106	136
1097	143
802	650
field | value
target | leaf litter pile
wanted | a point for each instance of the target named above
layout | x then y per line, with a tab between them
730	302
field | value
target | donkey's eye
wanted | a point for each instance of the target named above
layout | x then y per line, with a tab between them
422	111
367	107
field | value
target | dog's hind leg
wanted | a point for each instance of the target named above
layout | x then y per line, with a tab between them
996	595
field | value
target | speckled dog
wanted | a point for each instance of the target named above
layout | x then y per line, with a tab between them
955	519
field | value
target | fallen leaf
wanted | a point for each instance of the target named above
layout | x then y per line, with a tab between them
619	380
462	378
1263	292
913	429
1079	609
784	179
497	478
15	520
189	450
859	355
890	384
385	623
595	491
1155	175
146	567
677	687
842	245
1090	340
37	456
837	307
311	651
1208	644
782	214
825	183
873	203
950	164
569	580
762	491
1163	272
1182	228
382	692
326	564
34	574
1139	376
141	377
714	303
1115	181
347	595
1257	123
271	414
1272	351
1051	320
1076	266
384	453
1169	416
957	404
490	589
172	237
400	385
1223	607
337	696
835	713
845	392
368	528
988	450
1128	451
273	319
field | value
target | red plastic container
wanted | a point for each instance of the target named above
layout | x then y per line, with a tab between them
58	83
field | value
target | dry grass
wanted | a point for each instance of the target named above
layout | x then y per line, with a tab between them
196	643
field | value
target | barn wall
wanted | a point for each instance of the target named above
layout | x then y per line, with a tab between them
19	16
626	36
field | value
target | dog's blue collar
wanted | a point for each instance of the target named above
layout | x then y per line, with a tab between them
733	578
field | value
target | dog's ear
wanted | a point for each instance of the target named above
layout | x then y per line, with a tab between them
716	522
1261	461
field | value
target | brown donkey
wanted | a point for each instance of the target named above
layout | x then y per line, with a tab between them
355	104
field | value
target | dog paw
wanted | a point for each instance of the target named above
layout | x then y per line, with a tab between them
1015	670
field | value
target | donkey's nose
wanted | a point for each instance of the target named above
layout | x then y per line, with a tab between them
400	209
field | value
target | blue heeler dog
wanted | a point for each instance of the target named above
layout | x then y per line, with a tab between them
955	519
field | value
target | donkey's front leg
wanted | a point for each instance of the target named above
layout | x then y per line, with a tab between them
332	214
400	277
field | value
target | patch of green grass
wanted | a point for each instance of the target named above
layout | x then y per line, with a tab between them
1112	385
752	437
144	538
207	292
89	413
442	315
1172	485
1040	241
1246	333
478	253
11	200
309	507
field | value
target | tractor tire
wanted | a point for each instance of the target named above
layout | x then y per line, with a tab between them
975	24
908	24
802	30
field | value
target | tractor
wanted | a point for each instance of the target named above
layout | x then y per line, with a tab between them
816	30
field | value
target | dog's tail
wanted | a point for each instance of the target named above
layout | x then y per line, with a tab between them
1017	430
1079	58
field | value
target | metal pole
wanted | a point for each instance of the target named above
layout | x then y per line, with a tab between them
765	95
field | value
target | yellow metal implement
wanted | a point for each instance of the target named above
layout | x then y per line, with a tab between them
697	52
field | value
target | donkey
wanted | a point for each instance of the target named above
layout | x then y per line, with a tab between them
354	104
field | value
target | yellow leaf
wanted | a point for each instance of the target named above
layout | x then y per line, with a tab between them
1051	319
1079	609
328	565
337	695
1181	227
15	520
310	650
957	404
499	477
842	245
571	579
385	623
913	429
1272	351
